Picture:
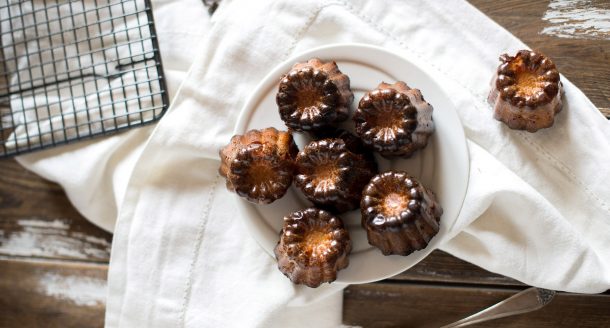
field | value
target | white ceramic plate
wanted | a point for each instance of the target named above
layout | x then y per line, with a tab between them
442	166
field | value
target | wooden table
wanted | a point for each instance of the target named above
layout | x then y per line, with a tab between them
53	263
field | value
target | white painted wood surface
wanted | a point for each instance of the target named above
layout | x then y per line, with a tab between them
578	19
55	238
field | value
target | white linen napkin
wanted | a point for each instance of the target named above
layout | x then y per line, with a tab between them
536	208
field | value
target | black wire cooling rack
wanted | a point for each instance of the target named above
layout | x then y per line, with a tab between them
76	69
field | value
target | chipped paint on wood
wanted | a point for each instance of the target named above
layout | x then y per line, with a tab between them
81	290
52	238
577	19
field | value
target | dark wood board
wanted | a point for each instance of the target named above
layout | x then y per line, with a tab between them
51	294
38	221
426	305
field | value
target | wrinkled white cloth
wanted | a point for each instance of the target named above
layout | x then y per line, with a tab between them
537	206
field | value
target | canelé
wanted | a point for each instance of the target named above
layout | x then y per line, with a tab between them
314	245
259	165
332	176
526	91
394	120
314	95
399	214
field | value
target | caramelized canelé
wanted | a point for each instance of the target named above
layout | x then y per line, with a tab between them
394	120
331	175
313	247
399	214
259	165
314	95
526	91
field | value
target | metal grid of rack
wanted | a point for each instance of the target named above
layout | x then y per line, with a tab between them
72	70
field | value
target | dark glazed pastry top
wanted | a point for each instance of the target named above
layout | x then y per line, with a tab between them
259	165
394	120
526	91
314	95
527	79
399	214
331	176
313	246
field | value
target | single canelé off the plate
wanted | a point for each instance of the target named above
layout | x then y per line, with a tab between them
314	245
394	120
526	91
399	214
331	175
259	165
314	95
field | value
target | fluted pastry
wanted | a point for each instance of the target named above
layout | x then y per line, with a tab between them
259	165
314	95
399	214
526	91
313	247
394	120
331	175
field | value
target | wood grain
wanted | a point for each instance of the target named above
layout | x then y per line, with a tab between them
37	220
442	267
421	305
51	294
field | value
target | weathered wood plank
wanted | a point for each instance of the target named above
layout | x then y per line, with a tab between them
585	62
419	305
37	220
577	19
443	267
52	294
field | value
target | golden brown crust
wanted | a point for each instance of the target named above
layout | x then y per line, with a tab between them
259	165
526	91
394	120
399	214
331	175
314	95
313	247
